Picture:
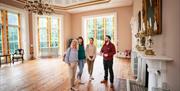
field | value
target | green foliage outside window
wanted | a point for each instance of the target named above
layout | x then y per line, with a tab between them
100	26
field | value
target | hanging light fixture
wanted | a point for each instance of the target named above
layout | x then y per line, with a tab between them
39	7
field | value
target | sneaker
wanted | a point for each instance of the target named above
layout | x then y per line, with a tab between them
104	81
74	89
78	77
91	78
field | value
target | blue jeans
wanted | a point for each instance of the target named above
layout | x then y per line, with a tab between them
81	66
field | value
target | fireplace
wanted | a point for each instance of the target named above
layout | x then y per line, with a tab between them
156	72
151	71
146	77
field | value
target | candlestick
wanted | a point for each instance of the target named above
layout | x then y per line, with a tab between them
143	27
155	25
150	22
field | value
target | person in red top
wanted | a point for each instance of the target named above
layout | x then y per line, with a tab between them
108	50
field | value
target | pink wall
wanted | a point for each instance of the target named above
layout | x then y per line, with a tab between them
171	31
168	43
124	15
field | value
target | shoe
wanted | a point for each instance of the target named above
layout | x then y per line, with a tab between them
78	77
74	89
92	78
104	81
112	86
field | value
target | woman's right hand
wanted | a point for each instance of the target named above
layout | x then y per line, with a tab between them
89	58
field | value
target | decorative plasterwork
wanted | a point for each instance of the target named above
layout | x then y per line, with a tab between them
73	6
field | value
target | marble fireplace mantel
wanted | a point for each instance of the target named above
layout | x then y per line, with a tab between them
157	70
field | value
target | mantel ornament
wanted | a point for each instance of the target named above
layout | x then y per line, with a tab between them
149	42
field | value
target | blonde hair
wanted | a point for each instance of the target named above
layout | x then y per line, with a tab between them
76	43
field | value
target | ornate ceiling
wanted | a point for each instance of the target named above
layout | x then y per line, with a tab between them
69	2
75	6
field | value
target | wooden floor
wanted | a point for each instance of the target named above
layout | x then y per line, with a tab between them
52	75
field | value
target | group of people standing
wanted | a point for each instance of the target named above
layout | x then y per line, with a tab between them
78	55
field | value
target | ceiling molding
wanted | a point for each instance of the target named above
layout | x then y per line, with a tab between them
111	5
73	6
86	6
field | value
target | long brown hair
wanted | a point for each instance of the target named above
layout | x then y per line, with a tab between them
81	39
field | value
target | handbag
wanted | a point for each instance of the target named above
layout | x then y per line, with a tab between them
64	56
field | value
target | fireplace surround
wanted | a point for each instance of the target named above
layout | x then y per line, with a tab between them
157	71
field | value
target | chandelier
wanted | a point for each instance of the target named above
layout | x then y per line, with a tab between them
39	7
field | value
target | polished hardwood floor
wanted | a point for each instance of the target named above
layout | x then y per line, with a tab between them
51	74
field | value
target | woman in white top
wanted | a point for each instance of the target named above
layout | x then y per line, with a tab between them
90	55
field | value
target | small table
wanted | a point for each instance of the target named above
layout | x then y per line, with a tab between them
6	56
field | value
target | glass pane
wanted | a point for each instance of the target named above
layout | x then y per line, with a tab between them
13	38
43	32
12	18
0	33
54	22
1	48
109	26
0	17
90	28
100	33
43	38
0	39
42	22
54	32
54	38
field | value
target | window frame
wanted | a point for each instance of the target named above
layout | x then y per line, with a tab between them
49	31
1	30
86	19
18	26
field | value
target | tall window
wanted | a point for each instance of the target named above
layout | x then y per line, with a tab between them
0	32
13	31
98	27
9	31
109	26
49	32
43	32
54	32
90	27
0	39
100	31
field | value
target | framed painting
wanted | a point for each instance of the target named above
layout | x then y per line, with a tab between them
152	15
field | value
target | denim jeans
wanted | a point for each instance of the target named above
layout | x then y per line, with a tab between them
81	66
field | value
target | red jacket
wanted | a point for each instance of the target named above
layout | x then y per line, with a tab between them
108	49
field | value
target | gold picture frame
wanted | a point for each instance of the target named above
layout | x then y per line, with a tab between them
152	15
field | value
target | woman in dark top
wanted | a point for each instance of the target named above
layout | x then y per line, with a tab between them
81	57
